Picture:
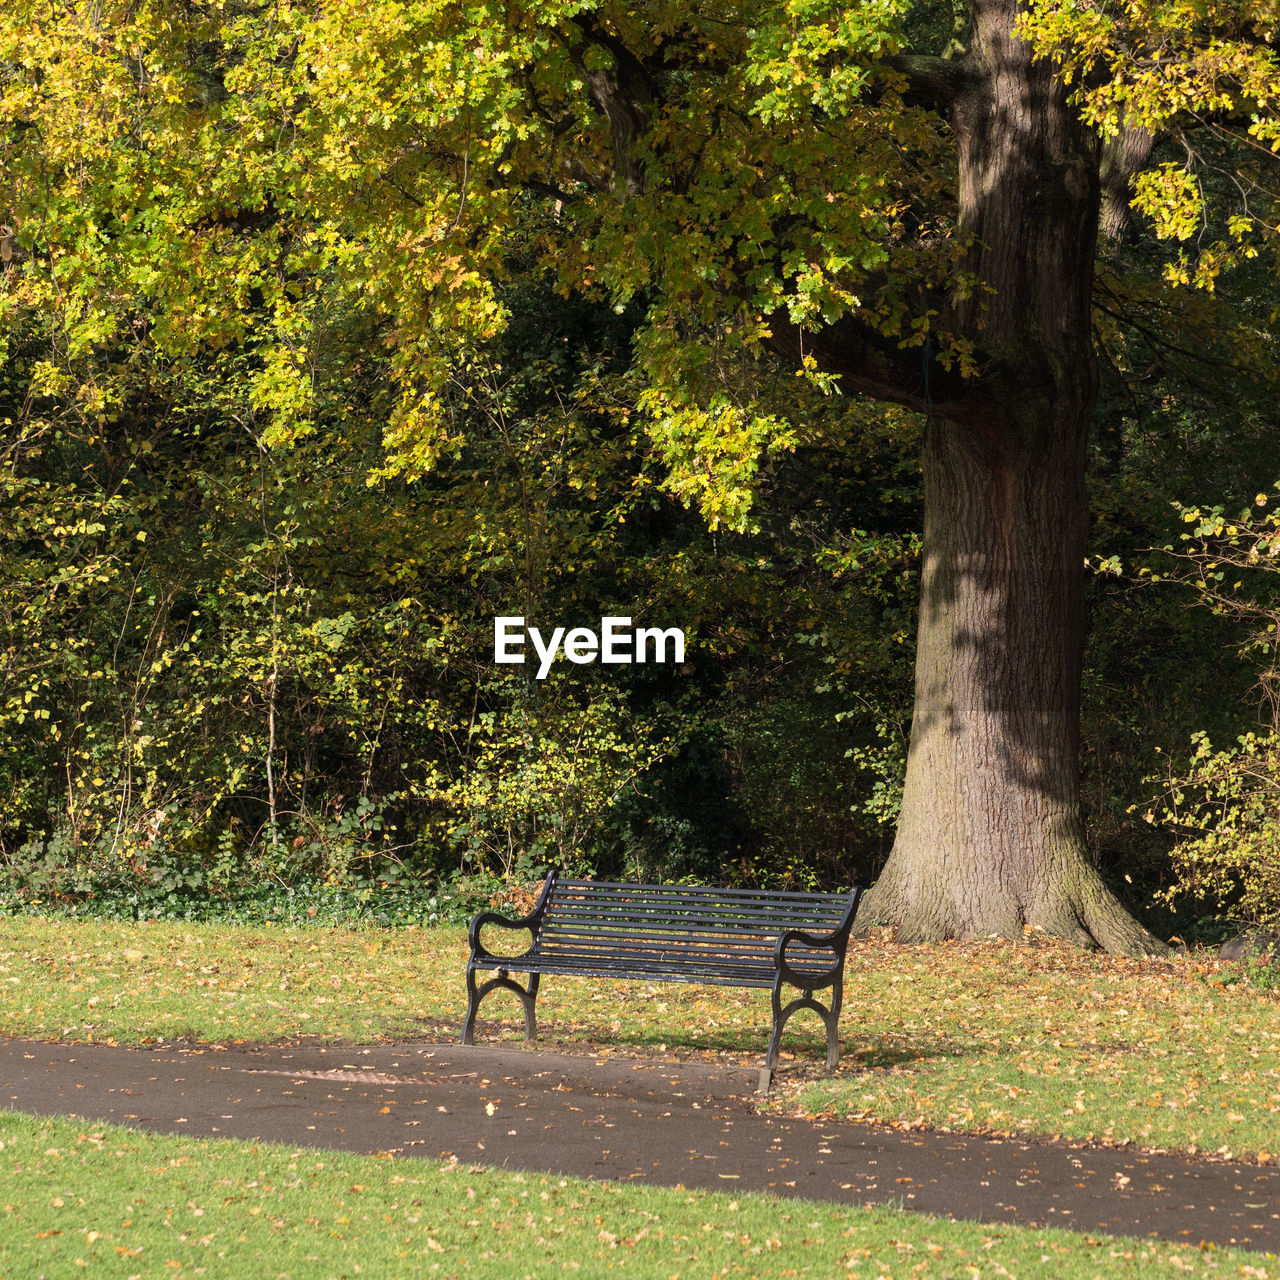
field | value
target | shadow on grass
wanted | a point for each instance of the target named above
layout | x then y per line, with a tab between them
802	1047
900	1051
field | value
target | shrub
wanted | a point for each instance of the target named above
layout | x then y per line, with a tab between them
1224	811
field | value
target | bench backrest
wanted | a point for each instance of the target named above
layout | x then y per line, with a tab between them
595	913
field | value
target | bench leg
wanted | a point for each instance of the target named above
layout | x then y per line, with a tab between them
807	1000
833	1025
477	992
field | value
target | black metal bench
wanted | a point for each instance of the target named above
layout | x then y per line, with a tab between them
671	933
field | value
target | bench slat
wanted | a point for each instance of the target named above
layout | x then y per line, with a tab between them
615	940
747	907
663	910
677	948
613	927
691	890
641	911
748	899
656	966
710	978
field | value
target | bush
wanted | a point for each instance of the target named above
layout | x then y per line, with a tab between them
1223	808
1224	812
395	906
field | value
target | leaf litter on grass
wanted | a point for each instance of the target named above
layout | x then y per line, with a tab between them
1033	1037
1044	1038
84	1198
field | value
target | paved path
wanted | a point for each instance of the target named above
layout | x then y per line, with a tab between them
674	1123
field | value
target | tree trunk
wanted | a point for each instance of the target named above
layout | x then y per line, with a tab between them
990	837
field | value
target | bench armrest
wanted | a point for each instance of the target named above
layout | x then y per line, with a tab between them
836	942
532	922
832	942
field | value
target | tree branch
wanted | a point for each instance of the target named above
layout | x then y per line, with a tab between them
624	92
872	364
1123	158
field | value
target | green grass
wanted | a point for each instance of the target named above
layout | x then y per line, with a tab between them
138	983
1046	1039
90	1199
995	1037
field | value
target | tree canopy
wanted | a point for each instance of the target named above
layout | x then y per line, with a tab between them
236	176
785	229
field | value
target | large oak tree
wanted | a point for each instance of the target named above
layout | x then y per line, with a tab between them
907	216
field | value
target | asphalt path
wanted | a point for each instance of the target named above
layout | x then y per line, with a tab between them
691	1124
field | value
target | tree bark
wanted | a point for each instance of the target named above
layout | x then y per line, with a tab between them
990	838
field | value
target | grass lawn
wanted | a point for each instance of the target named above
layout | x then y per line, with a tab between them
90	1199
1032	1037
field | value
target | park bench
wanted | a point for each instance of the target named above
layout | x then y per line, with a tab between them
673	933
